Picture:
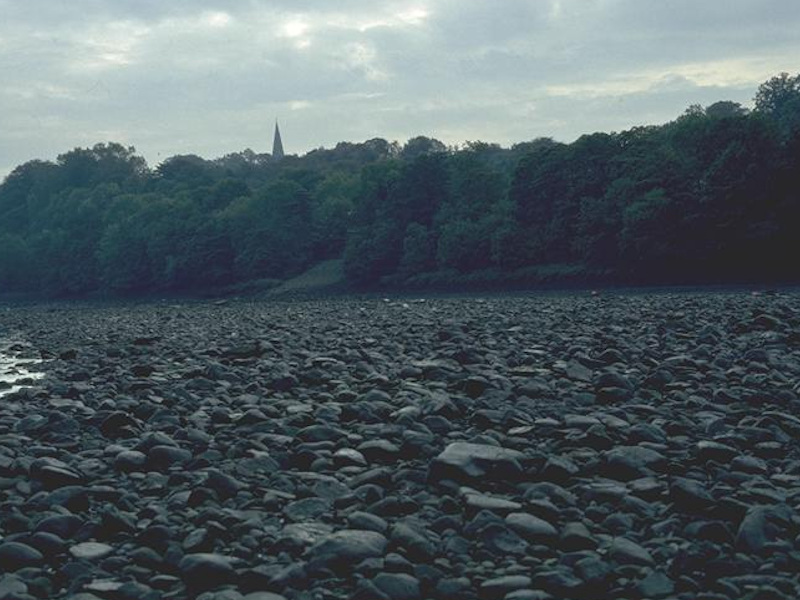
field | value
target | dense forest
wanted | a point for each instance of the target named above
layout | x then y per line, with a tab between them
713	196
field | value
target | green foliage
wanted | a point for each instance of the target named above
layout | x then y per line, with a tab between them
15	262
779	99
713	195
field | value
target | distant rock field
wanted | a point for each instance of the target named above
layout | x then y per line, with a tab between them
515	447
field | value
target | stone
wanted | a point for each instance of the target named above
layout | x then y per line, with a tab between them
163	457
656	585
367	521
344	549
532	528
559	469
477	502
15	556
345	457
499	587
462	461
710	450
307	509
205	571
626	463
398	586
501	540
575	536
129	461
628	552
690	496
90	550
752	535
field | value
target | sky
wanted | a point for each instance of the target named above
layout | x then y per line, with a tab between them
210	77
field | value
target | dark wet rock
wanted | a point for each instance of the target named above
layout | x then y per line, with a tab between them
347	548
524	448
319	433
626	463
656	585
349	457
477	502
710	450
12	587
502	540
204	571
379	451
690	496
75	498
576	536
592	570
560	582
749	464
415	542
64	526
559	469
531	528
130	460
90	550
756	530
53	473
367	521
625	551
398	586
463	461
48	544
15	556
119	425
223	484
500	587
161	458
307	509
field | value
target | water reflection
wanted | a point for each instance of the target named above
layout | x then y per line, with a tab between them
18	367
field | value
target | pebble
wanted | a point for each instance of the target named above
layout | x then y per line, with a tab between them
519	448
15	556
90	550
346	548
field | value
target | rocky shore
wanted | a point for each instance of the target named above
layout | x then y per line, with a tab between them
518	448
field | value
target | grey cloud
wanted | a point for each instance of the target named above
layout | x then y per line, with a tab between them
209	76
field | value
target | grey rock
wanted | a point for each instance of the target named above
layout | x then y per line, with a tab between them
398	586
464	461
90	550
205	571
531	528
15	556
498	587
656	585
346	548
627	551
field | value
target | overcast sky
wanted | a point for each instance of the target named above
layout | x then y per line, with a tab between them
210	77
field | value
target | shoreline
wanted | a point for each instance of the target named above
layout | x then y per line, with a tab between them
454	447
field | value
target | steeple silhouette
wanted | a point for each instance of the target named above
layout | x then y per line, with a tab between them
277	144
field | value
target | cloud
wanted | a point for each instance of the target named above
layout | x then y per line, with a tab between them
210	76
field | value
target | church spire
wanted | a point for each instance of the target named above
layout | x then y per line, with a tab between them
277	144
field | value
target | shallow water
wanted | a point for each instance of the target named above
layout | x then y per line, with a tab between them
16	371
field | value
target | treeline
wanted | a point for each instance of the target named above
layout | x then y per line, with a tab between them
713	196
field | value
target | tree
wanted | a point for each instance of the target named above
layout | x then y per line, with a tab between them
725	109
420	145
103	163
16	264
779	99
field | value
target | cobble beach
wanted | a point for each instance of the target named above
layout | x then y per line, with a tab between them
521	447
